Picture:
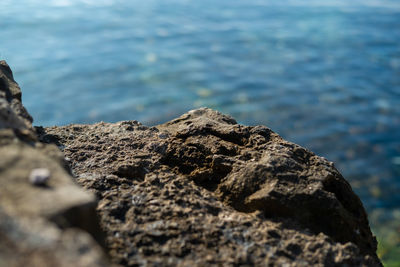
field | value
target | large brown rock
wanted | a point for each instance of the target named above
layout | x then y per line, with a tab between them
48	222
203	190
199	190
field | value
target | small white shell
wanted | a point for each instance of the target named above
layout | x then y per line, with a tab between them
39	176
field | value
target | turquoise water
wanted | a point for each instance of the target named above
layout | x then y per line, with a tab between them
324	75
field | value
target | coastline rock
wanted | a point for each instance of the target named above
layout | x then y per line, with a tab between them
198	190
13	115
12	92
54	224
202	189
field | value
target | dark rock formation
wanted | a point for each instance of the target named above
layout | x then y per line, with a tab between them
199	190
51	224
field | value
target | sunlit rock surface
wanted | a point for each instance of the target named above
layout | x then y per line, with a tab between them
202	189
51	223
199	190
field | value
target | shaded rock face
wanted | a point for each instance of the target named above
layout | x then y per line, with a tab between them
202	189
13	115
51	223
12	93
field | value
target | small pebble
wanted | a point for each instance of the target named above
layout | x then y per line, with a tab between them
39	176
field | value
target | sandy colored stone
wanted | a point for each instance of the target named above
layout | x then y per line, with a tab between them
54	224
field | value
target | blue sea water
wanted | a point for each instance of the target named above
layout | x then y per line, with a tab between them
324	74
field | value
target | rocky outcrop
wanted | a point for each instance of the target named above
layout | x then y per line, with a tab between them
52	223
203	189
199	190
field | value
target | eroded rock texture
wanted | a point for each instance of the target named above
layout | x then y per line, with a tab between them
51	224
203	190
200	190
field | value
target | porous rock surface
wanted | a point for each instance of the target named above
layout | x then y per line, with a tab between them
203	190
54	224
199	190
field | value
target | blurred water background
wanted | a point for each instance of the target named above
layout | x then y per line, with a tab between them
323	74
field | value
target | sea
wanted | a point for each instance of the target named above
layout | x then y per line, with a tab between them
323	74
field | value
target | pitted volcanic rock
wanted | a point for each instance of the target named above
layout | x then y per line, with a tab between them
202	189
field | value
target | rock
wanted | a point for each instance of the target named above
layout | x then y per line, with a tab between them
39	176
54	224
204	190
12	92
13	115
199	190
